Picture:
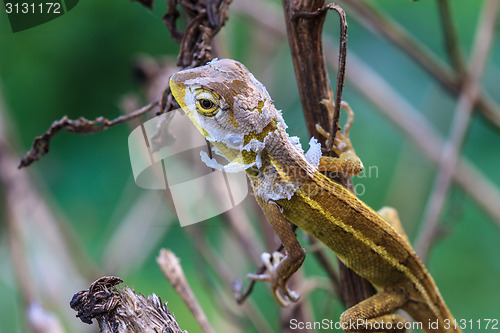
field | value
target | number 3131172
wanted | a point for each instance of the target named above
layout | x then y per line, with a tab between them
32	8
479	324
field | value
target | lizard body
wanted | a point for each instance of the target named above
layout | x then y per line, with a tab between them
235	112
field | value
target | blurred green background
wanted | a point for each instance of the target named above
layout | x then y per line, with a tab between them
81	65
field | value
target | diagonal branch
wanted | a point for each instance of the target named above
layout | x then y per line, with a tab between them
450	37
41	144
460	125
388	28
418	130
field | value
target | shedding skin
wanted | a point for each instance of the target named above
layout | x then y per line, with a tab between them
236	114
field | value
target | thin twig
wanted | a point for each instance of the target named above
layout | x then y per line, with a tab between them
450	38
334	127
172	270
340	71
304	21
205	19
81	125
459	127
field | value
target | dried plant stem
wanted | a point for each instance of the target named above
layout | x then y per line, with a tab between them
459	127
304	37
81	125
171	268
122	310
450	38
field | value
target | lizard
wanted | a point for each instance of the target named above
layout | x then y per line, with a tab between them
234	111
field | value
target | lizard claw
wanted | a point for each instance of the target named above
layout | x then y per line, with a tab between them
284	295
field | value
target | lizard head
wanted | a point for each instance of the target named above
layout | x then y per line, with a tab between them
226	103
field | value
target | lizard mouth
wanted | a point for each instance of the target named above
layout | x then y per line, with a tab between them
178	89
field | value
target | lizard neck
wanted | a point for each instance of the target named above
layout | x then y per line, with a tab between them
281	167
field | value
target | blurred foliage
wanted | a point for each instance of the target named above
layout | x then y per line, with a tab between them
81	65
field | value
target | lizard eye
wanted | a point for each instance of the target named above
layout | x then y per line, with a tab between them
206	105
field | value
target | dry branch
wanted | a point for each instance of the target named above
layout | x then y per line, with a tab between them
122	311
304	22
172	270
81	125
